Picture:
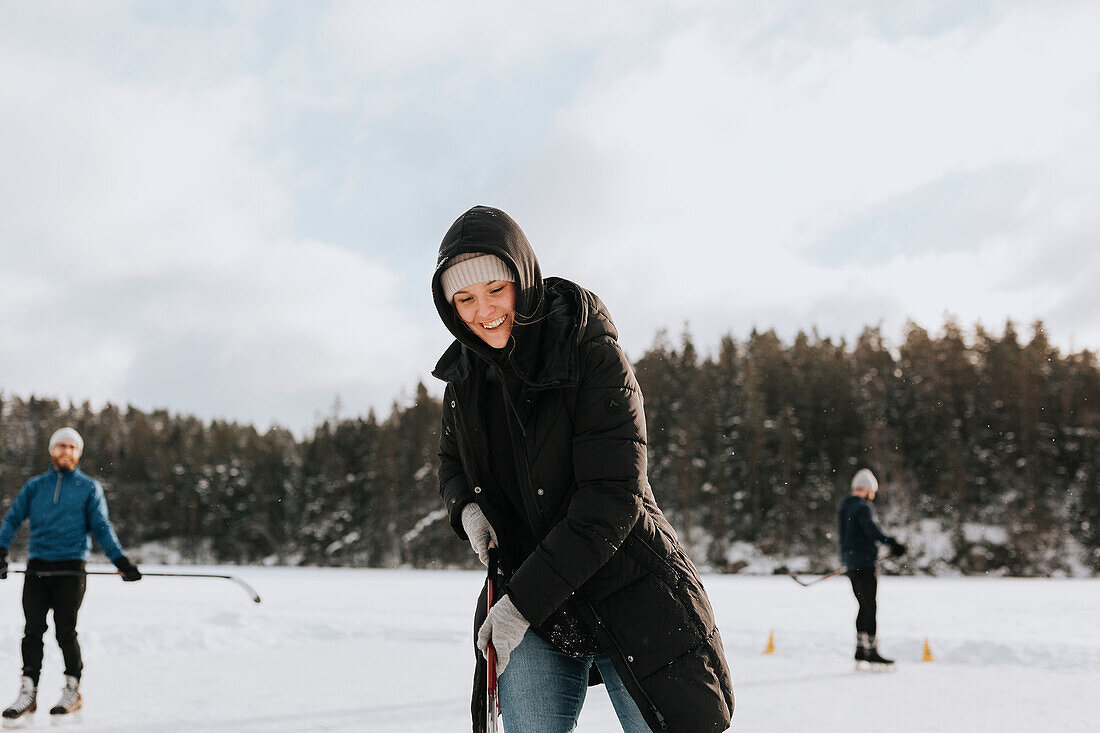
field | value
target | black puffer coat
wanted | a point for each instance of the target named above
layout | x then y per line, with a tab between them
604	553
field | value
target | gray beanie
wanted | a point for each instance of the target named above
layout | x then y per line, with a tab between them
470	268
864	479
67	434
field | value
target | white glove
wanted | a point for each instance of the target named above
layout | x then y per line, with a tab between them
478	530
505	627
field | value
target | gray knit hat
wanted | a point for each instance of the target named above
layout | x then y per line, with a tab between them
470	268
67	434
864	479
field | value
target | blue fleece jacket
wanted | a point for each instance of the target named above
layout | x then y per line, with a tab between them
64	507
859	535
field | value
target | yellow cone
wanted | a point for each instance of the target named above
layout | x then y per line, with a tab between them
927	653
770	648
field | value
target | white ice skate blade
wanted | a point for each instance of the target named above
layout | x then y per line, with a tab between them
72	718
26	720
874	667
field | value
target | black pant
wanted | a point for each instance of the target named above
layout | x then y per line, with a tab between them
61	593
865	586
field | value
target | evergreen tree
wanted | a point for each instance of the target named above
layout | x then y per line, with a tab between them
985	438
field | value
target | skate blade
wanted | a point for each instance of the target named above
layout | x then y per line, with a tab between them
874	667
26	720
67	719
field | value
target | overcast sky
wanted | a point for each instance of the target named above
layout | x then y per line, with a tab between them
233	209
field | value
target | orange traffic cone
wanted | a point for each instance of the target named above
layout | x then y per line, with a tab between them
927	653
770	648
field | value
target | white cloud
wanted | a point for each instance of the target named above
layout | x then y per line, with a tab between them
232	210
721	163
390	40
148	256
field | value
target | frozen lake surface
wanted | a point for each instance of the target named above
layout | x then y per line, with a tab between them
390	650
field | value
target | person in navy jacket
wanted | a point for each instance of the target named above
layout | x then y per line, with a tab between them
859	540
64	506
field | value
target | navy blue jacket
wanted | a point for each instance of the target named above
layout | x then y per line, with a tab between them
63	506
858	534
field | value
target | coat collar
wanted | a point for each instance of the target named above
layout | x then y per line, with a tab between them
54	471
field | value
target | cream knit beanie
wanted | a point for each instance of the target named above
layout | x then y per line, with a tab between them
67	434
470	268
864	479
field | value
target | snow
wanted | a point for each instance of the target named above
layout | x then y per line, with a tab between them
390	650
930	547
974	532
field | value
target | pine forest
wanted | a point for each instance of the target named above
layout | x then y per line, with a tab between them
985	446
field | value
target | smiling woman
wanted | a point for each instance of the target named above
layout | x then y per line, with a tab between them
543	455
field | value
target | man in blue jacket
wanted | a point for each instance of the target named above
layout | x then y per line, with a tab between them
859	540
64	506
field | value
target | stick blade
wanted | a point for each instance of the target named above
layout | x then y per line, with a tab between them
247	588
798	580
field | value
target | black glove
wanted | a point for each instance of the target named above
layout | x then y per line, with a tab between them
3	563
129	571
896	548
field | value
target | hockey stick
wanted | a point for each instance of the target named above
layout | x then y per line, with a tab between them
806	584
491	698
833	574
62	573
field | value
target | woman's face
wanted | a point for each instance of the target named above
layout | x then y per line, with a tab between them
489	310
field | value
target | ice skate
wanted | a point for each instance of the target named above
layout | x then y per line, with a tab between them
21	712
867	656
68	707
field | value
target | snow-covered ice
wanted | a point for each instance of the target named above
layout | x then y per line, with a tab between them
390	650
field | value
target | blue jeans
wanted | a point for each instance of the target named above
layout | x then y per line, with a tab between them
542	689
